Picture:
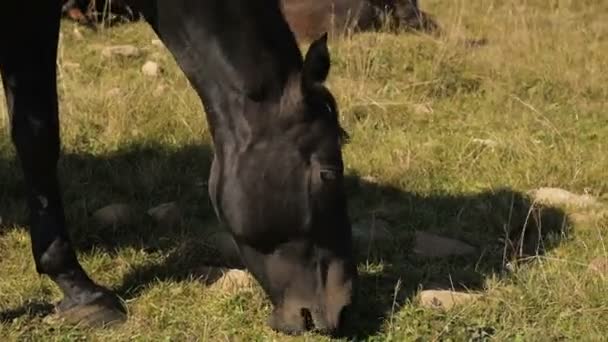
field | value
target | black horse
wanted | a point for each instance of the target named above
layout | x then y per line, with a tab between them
277	175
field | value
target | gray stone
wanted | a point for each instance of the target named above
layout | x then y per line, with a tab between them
435	246
120	50
445	299
167	214
114	214
372	232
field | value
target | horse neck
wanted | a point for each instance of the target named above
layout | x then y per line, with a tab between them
238	55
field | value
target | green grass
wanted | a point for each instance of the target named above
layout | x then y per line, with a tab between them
413	106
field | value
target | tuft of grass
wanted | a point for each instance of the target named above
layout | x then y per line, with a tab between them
445	138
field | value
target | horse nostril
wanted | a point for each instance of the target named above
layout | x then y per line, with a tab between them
309	324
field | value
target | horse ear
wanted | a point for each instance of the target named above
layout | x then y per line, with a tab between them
316	62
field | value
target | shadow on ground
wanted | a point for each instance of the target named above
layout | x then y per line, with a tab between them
148	175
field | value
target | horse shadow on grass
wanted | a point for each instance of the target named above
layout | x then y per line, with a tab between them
500	224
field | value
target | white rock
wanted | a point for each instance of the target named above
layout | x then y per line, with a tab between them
422	108
160	90
557	196
70	65
445	299
120	50
157	42
229	280
486	142
77	33
150	68
435	246
113	92
370	179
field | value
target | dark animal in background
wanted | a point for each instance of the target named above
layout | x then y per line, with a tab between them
90	12
308	19
276	180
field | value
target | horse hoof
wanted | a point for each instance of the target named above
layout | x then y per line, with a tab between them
104	311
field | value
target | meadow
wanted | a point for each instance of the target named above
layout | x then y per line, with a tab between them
446	137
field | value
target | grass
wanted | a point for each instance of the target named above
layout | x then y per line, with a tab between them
415	108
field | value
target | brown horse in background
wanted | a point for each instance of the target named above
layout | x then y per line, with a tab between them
307	18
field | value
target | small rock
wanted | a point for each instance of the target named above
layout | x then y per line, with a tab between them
369	232
486	142
157	42
70	65
113	92
225	245
557	196
599	265
235	279
422	108
369	179
230	280
445	299
120	50
114	214
435	246
77	33
150	69
167	214
160	90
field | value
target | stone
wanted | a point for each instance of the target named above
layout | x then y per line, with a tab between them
422	108
167	214
151	69
77	34
225	279
434	246
113	92
370	232
234	279
120	50
369	179
599	266
159	90
70	65
557	196
114	214
445	299
157	43
486	142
